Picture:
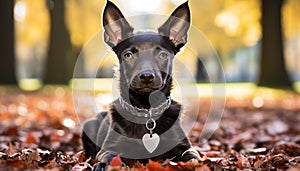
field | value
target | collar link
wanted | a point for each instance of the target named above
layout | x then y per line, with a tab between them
146	113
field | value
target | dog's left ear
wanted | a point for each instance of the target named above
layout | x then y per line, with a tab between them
177	25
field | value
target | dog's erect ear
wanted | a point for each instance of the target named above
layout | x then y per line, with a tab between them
177	25
115	25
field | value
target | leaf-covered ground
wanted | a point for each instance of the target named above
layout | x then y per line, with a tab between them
40	131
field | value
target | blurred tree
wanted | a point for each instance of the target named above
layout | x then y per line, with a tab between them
83	21
273	72
201	74
61	59
227	21
227	26
7	57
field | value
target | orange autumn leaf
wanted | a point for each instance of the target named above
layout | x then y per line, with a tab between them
12	149
116	162
138	166
81	156
154	166
189	165
15	163
11	131
171	166
31	138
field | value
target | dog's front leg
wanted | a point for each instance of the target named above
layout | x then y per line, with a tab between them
185	152
190	155
108	141
104	158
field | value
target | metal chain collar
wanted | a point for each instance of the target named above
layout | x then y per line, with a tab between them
152	112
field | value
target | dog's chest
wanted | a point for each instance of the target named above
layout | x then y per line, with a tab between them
127	128
137	129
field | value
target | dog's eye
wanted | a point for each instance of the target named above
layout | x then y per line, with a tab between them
128	55
163	55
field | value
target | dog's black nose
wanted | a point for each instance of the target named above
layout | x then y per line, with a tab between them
147	76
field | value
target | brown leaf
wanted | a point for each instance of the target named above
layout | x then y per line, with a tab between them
11	131
203	168
172	166
3	156
30	158
138	166
257	164
15	163
243	162
82	167
31	138
12	149
295	161
49	164
81	156
154	166
292	149
189	165
116	162
277	127
212	154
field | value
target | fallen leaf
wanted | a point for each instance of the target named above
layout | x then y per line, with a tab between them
116	162
12	149
277	127
154	166
31	138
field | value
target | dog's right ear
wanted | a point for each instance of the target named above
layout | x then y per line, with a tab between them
115	25
177	25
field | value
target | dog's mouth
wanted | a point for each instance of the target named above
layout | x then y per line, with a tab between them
145	90
147	85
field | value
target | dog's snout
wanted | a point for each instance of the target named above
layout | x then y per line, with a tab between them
147	76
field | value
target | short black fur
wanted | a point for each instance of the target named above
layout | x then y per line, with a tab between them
145	72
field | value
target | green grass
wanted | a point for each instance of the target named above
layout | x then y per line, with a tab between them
204	89
297	86
106	85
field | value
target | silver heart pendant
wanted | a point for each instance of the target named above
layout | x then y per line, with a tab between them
150	142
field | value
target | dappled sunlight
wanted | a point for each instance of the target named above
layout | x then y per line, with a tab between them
83	19
258	102
20	10
234	33
30	84
237	23
31	41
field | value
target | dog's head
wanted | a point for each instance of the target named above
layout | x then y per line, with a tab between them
145	57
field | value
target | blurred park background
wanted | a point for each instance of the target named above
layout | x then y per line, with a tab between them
258	41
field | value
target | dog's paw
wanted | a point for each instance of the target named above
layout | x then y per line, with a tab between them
114	164
190	155
100	167
105	157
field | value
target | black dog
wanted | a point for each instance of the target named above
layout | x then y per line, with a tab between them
143	123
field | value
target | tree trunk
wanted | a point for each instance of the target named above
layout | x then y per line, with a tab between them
61	59
201	75
273	72
7	57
